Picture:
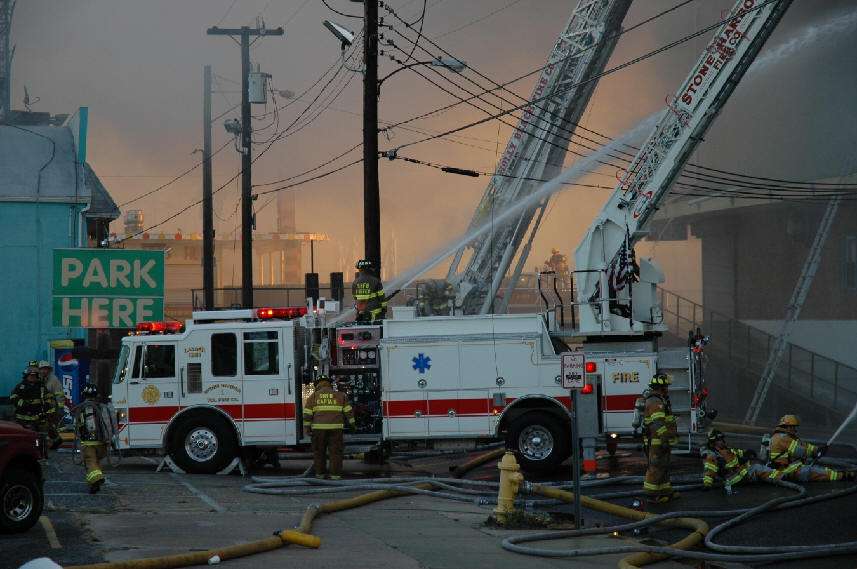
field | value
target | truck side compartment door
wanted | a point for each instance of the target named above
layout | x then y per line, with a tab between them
403	394
223	386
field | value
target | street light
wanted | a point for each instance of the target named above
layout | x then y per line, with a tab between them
447	62
343	34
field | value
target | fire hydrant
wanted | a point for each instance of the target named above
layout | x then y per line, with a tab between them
510	481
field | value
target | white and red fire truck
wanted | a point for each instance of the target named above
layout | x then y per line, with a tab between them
238	378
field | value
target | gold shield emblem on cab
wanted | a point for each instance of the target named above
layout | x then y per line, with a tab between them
150	394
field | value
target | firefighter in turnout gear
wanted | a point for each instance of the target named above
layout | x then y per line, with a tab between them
789	455
368	291
325	414
659	438
54	387
94	429
730	465
35	407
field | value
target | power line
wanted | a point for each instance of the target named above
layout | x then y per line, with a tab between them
478	20
226	14
335	11
175	179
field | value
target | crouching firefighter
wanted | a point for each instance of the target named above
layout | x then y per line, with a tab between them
789	455
730	465
94	427
659	437
325	414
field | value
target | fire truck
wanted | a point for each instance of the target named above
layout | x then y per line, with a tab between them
236	379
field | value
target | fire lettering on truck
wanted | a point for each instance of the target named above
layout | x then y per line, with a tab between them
626	377
211	388
194	351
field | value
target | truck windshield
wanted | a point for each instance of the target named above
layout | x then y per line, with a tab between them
121	365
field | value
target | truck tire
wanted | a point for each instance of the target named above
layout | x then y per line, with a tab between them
539	441
21	500
202	444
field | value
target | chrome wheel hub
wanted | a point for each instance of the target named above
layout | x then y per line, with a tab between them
18	503
201	444
535	442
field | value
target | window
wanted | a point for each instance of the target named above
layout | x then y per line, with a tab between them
160	361
138	359
121	365
261	353
224	355
849	263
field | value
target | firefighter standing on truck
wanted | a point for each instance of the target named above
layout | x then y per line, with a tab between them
35	407
368	291
789	455
659	438
731	465
93	427
325	414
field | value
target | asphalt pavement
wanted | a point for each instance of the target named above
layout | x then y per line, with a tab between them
141	513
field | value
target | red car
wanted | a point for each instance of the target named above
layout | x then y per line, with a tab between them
21	482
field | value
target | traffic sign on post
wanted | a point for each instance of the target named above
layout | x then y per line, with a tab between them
572	369
107	288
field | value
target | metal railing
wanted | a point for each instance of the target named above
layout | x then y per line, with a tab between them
741	351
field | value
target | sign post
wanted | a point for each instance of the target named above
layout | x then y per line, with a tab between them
107	288
572	364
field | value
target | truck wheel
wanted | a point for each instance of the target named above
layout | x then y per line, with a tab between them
203	444
21	500
539	440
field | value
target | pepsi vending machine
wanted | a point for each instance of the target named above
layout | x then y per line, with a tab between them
72	371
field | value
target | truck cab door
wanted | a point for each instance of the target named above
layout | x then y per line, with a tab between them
153	392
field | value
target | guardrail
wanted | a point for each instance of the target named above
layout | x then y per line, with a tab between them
744	349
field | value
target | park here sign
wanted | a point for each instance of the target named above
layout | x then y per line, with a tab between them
107	288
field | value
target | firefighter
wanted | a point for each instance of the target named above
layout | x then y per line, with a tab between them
54	387
93	427
368	291
34	406
325	414
789	455
731	465
660	436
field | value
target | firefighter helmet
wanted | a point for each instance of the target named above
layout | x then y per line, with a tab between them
363	264
45	364
660	380
322	377
89	391
714	435
789	421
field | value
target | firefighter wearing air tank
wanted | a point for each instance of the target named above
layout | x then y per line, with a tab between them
368	291
659	437
325	414
789	455
730	465
94	427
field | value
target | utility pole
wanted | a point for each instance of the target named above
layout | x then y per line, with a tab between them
7	8
245	33
207	199
371	192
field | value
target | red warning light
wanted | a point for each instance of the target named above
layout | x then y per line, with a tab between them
590	367
587	389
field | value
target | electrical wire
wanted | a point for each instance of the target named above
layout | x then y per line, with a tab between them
335	11
478	20
419	32
176	178
226	14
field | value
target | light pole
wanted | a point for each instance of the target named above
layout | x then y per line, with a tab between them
371	92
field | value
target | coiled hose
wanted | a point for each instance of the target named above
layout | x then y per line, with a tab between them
646	554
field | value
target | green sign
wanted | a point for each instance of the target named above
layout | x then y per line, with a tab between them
107	288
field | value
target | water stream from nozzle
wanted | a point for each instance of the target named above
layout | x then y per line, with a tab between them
844	424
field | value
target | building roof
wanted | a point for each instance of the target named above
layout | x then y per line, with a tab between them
39	162
102	205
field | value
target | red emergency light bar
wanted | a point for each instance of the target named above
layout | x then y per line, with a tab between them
286	313
590	367
160	327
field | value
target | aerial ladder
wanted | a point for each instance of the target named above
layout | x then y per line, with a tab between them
535	152
615	295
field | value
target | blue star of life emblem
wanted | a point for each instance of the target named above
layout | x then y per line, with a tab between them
421	363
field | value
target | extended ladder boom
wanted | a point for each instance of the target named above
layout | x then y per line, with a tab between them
613	295
536	151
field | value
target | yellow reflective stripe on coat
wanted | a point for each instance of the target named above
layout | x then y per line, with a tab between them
710	466
651	487
732	463
656	415
792	447
738	477
329	408
94	476
91	443
327	426
662	431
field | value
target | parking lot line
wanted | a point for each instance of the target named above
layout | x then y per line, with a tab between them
49	531
198	493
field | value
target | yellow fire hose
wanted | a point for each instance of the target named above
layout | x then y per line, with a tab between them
699	527
299	536
466	467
